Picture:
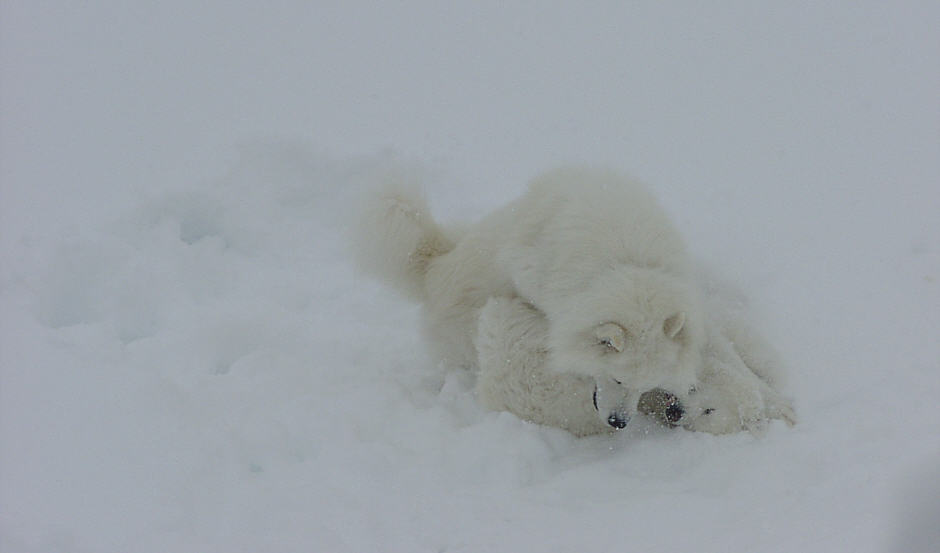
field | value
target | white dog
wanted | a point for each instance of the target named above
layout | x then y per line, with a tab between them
735	390
573	301
590	250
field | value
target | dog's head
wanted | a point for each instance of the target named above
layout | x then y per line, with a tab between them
633	330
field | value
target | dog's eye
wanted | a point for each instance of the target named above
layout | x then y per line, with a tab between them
708	411
692	390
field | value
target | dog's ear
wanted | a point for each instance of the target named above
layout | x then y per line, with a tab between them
611	335
673	325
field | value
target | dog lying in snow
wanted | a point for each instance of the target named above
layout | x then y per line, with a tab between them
594	257
735	389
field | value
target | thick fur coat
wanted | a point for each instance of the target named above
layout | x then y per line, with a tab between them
736	388
599	285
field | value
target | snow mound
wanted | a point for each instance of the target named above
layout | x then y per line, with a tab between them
189	362
205	370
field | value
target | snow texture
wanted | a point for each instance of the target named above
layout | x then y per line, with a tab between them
189	362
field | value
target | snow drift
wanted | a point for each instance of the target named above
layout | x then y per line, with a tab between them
189	362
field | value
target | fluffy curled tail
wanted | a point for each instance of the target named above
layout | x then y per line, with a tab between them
395	237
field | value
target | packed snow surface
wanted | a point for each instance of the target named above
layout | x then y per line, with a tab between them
189	362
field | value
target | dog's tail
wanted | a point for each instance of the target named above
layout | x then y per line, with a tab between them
396	238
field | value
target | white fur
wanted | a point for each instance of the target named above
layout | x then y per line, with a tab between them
595	258
396	238
587	248
513	338
741	373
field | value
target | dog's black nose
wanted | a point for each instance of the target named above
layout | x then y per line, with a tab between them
617	420
674	412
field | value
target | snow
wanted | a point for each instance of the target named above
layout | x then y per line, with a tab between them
190	363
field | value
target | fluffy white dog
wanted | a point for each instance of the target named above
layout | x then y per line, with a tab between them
593	256
735	391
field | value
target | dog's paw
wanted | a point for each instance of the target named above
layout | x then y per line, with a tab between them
753	411
756	424
777	406
781	409
787	414
726	409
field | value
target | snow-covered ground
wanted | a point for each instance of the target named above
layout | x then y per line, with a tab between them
188	362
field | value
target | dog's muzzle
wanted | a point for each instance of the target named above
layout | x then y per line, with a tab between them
616	420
